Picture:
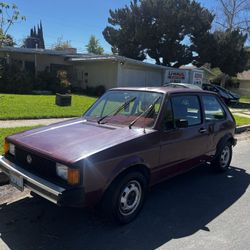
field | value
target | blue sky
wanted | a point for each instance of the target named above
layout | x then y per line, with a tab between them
75	20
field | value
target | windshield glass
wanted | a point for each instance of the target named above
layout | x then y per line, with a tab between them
123	107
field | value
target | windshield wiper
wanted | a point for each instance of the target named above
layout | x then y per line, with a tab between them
147	111
123	106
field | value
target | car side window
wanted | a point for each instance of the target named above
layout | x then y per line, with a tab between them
188	108
212	108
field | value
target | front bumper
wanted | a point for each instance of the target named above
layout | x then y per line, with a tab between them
50	191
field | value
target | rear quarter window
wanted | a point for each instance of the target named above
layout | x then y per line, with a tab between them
212	108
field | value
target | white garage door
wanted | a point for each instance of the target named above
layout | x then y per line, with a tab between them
139	78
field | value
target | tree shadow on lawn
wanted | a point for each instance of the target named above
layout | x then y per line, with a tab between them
174	209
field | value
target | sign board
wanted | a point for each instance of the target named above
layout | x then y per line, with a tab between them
197	78
177	76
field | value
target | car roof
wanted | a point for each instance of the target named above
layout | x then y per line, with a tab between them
162	89
184	85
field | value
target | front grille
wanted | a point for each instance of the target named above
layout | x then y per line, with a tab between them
35	164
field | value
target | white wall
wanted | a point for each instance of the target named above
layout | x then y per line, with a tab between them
92	74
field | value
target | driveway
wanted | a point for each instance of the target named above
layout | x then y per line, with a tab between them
198	210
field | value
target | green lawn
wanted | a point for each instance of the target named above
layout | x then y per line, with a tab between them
241	120
245	99
40	106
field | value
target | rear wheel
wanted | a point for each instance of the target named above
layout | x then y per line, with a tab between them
124	199
224	156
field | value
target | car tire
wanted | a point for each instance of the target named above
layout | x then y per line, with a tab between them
125	197
223	157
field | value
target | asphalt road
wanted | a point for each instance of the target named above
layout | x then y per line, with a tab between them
198	210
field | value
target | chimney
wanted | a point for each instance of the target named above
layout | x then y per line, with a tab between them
71	50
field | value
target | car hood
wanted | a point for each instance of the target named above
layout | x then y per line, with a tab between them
73	140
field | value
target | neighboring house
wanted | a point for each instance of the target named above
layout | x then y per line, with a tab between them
89	70
114	71
244	86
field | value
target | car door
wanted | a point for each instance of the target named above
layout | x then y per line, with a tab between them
182	148
215	120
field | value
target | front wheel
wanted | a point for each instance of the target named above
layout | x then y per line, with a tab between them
124	199
224	156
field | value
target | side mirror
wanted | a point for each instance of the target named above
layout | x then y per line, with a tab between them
181	123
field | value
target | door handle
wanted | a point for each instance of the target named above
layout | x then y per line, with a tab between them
202	130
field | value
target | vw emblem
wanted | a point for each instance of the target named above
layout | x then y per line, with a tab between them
29	159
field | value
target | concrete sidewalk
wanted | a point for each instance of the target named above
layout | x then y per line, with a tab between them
30	122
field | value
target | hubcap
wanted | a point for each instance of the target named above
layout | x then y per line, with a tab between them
130	197
225	157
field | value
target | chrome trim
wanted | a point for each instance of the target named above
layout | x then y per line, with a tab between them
36	184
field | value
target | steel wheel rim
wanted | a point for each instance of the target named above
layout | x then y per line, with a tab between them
130	198
225	157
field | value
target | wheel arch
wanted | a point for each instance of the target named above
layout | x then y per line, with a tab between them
226	138
139	167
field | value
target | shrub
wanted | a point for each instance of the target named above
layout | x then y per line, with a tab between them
46	81
231	82
14	80
63	82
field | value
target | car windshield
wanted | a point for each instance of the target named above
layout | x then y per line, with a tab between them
123	107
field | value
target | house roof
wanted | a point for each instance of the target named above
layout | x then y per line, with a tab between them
77	57
120	59
245	75
35	51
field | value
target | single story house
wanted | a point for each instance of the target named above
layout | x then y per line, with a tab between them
89	70
244	83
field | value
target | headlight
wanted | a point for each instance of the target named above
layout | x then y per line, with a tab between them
62	171
68	174
12	149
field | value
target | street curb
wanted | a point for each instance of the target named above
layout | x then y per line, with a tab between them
242	128
4	179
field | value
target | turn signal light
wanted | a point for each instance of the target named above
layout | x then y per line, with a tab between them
6	147
73	176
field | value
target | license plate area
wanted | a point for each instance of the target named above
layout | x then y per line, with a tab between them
17	181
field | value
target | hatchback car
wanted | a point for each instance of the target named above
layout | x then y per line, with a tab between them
129	140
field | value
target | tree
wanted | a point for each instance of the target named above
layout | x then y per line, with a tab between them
7	40
126	35
231	56
10	15
157	29
35	39
223	49
94	47
234	14
61	45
